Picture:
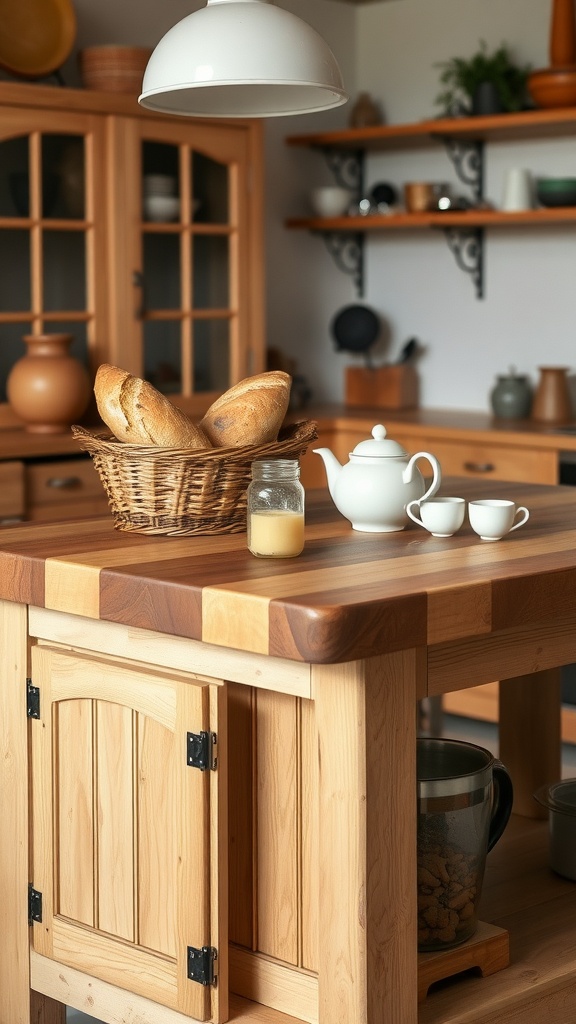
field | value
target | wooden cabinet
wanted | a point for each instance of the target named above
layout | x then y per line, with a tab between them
179	299
126	827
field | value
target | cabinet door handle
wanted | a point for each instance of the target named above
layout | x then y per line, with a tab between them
479	467
63	483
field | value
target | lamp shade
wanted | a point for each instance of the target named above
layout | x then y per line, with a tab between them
242	58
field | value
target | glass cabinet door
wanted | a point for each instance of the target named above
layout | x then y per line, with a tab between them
191	259
51	234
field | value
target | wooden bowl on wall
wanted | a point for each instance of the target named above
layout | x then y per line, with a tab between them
114	68
553	87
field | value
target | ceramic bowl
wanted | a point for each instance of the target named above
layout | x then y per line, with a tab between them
330	201
556	191
161	208
553	87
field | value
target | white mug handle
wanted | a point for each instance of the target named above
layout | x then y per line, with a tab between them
436	478
411	514
525	517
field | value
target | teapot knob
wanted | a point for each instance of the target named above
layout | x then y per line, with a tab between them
379	432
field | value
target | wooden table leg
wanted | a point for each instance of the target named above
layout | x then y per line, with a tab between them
367	816
44	1010
14	932
530	744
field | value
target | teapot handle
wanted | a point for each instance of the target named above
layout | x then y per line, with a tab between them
437	473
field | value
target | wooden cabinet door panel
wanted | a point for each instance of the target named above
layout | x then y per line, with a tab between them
126	833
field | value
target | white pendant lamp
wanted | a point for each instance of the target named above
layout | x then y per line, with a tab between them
242	58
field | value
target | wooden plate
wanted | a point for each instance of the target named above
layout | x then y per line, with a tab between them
36	36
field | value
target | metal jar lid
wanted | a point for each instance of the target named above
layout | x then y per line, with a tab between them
560	796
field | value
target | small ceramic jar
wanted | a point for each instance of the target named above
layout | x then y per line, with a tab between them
276	509
511	397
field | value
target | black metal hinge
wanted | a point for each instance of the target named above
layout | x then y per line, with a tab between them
201	750
32	700
34	904
202	965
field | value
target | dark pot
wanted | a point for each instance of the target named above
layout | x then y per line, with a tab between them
486	99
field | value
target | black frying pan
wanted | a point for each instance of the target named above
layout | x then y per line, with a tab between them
355	329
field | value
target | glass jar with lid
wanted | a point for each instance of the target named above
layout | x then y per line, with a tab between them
275	509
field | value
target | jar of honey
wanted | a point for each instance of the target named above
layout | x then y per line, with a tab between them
276	509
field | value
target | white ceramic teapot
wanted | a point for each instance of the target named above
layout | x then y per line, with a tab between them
374	487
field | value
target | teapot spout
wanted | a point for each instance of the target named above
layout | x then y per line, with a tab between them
332	466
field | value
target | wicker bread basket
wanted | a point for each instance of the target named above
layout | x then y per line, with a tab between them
180	492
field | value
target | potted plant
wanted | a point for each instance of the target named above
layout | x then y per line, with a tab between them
486	83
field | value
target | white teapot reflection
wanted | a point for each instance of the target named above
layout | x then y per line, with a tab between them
373	489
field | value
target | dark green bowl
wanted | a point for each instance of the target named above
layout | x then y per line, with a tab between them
556	191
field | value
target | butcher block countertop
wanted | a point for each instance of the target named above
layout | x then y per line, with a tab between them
349	595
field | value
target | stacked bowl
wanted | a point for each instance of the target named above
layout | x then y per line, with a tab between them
161	202
114	68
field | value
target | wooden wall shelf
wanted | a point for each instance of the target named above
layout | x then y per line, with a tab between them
464	139
528	124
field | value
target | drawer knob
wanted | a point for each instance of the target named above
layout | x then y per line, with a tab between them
64	483
479	467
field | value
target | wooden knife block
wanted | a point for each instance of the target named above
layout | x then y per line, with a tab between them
390	387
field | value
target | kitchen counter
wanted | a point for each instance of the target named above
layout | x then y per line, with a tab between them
473	444
332	650
482	424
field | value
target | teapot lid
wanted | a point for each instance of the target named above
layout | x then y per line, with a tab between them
379	445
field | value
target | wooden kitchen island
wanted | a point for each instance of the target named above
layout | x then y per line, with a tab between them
207	771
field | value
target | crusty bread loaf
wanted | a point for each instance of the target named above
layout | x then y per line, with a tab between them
136	412
249	413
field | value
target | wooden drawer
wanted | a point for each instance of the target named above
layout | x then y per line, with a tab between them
11	490
488	461
63	489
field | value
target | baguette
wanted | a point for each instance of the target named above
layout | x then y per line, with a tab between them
249	413
139	414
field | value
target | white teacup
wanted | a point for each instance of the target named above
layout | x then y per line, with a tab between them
441	516
493	518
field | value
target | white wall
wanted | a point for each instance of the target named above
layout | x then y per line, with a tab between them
528	315
390	48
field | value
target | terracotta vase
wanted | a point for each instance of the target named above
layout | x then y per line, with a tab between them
562	34
552	402
48	388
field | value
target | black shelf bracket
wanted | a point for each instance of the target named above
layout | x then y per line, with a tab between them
347	167
467	156
467	247
347	250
